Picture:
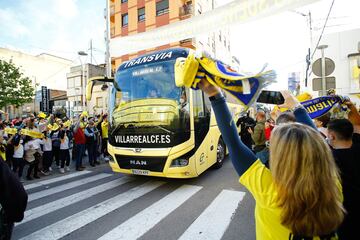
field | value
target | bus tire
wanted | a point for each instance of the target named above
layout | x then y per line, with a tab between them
220	154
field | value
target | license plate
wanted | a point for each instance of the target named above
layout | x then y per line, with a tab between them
140	172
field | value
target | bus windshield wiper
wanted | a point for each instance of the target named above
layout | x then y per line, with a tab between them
164	129
119	126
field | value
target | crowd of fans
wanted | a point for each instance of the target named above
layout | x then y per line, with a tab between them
304	174
46	142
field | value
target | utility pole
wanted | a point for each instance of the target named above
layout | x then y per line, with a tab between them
91	49
107	39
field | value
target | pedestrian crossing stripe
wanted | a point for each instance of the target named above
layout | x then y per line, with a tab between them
74	198
80	219
66	186
220	210
149	217
53	180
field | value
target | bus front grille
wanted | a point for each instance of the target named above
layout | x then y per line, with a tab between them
154	164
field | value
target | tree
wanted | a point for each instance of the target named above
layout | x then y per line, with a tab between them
15	88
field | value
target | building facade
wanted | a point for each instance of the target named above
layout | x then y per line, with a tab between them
76	89
128	17
43	69
343	49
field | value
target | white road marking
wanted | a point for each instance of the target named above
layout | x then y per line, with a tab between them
66	186
53	180
80	219
142	222
77	197
213	222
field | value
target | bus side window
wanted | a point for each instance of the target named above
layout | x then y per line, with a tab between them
201	117
207	105
198	105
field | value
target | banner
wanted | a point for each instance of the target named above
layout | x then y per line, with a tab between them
238	11
322	105
44	106
31	133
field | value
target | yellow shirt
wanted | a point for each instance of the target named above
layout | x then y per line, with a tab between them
104	129
259	181
3	155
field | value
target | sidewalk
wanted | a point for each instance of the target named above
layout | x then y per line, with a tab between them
55	170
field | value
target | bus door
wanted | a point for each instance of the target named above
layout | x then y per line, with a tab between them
201	120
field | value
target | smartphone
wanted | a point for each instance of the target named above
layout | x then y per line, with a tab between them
271	97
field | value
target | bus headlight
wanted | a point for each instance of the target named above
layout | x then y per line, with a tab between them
180	162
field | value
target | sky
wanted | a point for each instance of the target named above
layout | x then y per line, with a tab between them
59	27
64	27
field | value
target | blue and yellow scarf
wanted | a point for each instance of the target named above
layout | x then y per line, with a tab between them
191	70
322	105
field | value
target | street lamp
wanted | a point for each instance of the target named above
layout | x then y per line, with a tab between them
83	80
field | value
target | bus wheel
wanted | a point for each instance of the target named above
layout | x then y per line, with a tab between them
220	154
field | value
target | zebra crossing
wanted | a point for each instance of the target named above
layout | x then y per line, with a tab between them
151	200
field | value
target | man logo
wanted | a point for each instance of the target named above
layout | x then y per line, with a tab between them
137	162
138	150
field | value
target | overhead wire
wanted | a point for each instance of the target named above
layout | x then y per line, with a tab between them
323	29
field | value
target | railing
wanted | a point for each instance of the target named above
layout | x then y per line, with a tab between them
188	41
186	10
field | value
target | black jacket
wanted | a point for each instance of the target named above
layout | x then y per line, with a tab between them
13	197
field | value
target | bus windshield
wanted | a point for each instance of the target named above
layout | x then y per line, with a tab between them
148	110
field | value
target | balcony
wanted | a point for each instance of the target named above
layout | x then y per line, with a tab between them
112	9
186	11
189	42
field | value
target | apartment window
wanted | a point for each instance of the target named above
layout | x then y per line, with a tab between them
70	83
77	101
78	82
162	7
141	14
99	102
124	20
124	1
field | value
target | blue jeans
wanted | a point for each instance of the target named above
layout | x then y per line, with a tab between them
80	149
91	148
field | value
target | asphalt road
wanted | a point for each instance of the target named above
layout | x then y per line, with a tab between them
100	204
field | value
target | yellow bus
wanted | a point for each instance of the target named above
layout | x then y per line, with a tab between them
156	128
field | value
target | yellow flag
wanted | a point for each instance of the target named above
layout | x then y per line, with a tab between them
31	133
11	131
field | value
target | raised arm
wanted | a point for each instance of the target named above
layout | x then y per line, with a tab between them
354	116
300	113
241	157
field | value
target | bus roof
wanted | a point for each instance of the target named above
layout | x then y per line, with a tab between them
158	56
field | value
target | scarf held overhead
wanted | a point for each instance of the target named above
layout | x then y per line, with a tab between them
322	105
191	70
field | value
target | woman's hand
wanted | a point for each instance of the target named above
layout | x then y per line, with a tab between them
208	88
291	102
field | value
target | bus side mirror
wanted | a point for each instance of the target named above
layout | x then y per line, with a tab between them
91	82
